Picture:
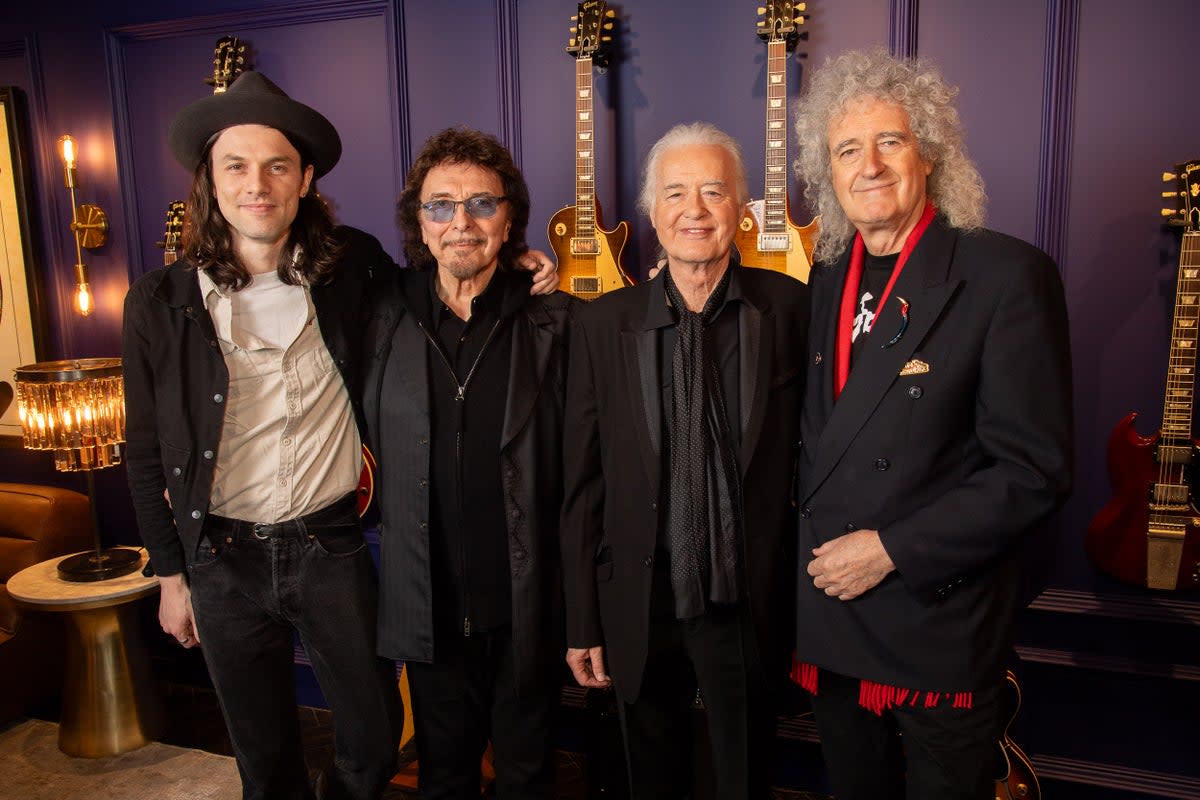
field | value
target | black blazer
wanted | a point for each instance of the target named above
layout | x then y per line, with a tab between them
530	453
613	452
953	443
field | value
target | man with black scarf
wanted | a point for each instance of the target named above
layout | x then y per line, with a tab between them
683	407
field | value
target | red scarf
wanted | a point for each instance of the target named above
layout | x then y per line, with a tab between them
842	343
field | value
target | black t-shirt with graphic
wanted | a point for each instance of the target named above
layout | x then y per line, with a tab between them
877	271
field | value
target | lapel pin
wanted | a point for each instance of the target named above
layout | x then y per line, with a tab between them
903	324
915	367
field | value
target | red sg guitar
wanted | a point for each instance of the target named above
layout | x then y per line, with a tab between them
1149	532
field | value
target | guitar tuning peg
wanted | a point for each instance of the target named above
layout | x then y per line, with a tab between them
1172	195
1169	176
798	20
606	38
1169	212
571	42
608	26
802	7
574	18
610	14
762	10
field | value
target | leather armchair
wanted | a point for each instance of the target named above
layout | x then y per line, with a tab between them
36	523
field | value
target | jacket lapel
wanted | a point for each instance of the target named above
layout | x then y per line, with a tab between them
924	284
532	343
754	349
643	380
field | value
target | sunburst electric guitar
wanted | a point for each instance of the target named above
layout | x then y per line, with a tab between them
767	238
173	233
589	257
229	61
1149	532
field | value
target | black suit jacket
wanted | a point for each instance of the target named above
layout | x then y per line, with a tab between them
614	457
530	454
953	443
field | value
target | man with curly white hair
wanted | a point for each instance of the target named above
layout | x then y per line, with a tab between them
936	435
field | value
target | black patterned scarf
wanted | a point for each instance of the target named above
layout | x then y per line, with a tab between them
704	504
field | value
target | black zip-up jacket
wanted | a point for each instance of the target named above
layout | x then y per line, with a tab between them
176	383
530	464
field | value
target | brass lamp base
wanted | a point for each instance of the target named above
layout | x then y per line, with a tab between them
99	565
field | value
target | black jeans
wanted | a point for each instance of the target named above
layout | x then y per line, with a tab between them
944	752
468	695
254	587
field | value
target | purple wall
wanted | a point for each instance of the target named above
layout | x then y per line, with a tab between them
1071	116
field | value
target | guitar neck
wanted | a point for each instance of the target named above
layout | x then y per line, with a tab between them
775	204
585	152
1181	374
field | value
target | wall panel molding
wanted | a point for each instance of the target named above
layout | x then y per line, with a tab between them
1112	776
1148	608
1058	101
509	74
293	14
1105	663
902	27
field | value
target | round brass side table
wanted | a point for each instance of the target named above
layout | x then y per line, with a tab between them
109	704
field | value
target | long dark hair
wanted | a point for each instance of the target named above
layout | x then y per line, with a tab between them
463	146
208	243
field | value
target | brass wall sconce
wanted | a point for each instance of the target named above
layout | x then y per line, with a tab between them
89	225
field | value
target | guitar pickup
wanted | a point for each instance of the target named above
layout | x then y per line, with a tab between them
1169	495
585	285
774	243
1174	454
585	246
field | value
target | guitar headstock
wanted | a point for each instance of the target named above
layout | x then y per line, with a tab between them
591	33
174	232
1186	193
781	21
229	61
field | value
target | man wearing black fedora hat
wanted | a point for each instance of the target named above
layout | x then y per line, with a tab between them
242	372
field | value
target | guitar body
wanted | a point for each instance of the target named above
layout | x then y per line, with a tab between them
1016	779
587	275
796	260
1116	537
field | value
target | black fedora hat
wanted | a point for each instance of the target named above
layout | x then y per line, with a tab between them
253	100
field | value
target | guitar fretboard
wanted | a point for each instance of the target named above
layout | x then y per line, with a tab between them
1181	373
585	161
775	199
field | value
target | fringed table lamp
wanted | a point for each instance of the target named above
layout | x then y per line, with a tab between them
76	408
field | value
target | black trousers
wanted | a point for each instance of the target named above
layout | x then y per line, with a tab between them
468	696
908	752
254	587
717	654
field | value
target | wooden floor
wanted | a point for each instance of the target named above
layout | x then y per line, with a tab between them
194	720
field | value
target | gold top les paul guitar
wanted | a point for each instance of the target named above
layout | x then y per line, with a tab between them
589	257
767	238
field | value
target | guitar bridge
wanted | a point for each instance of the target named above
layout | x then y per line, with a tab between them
774	243
585	246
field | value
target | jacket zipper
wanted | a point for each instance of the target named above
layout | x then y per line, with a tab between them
460	403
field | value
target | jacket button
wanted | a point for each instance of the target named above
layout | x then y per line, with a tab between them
212	342
817	359
218	398
422	441
654	505
208	454
850	527
882	464
423	526
806	512
177	472
422	483
915	392
515	513
196	513
649	561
